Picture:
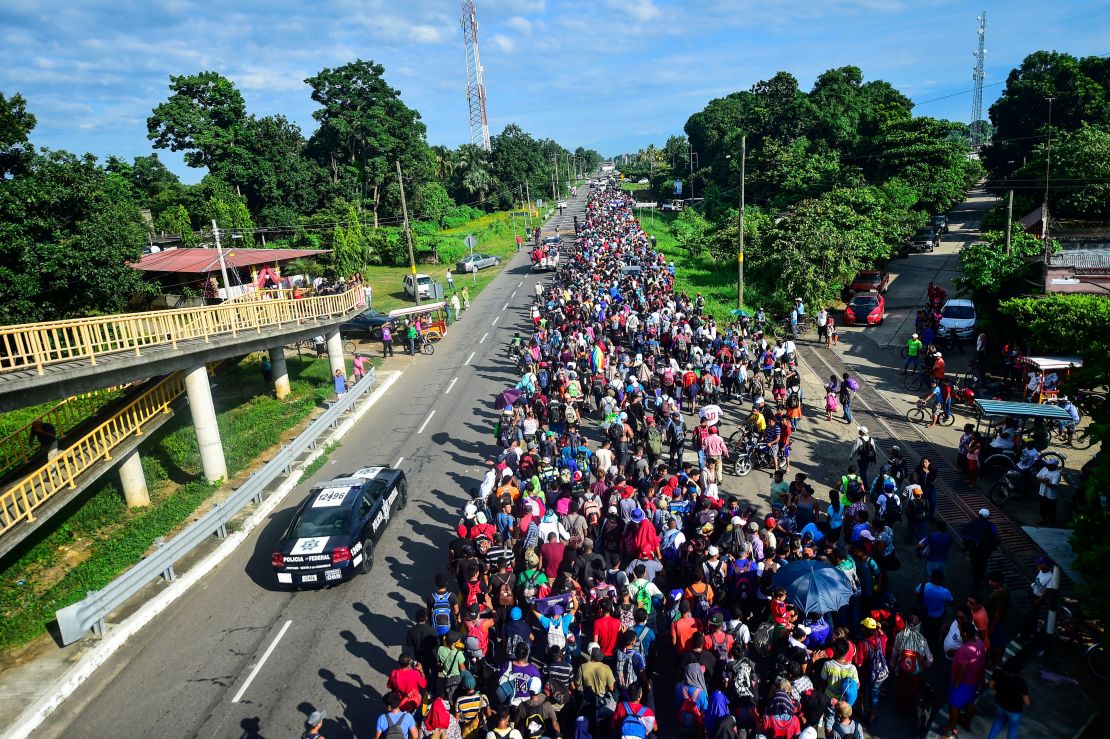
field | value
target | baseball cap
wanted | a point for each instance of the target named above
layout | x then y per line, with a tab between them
862	430
716	619
737	521
753	526
713	551
770	522
535	686
984	513
914	336
314	718
869	623
865	534
939	355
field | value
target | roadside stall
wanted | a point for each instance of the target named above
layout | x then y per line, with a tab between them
1048	372
432	318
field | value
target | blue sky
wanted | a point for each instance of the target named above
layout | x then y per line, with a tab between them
614	75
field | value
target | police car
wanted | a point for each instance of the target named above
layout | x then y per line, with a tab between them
332	535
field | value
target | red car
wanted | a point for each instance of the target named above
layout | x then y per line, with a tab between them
866	308
867	280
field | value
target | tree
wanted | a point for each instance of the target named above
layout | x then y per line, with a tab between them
176	221
205	117
691	231
1081	92
1079	183
986	265
366	127
16	125
931	156
432	203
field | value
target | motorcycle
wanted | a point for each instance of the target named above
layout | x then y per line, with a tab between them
1018	483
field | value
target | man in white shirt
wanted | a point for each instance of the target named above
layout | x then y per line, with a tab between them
1050	481
711	413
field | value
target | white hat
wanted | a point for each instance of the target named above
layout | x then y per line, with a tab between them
866	534
984	513
737	521
862	430
470	510
939	355
914	336
713	551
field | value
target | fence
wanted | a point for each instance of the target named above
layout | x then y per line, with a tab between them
37	345
76	620
19	501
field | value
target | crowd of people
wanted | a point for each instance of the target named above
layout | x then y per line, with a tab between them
601	583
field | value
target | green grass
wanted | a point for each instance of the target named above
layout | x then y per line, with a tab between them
13	421
112	538
714	279
633	186
495	236
317	464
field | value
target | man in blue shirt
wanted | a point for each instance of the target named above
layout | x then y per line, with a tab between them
935	548
934	599
394	716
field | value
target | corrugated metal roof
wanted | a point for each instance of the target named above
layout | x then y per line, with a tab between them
1022	410
1081	259
201	260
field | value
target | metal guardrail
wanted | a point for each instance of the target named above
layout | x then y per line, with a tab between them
18	447
18	502
36	345
76	620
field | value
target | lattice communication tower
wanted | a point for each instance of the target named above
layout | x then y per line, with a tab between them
977	134
475	89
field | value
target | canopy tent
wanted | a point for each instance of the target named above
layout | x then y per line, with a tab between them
1045	364
1012	409
204	260
416	310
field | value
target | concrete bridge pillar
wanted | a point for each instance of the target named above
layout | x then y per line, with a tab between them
133	480
335	352
204	422
281	371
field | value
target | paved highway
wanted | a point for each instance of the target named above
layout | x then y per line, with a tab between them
238	657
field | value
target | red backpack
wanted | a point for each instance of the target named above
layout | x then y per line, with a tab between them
690	719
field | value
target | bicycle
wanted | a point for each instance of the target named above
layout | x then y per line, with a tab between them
918	380
424	345
923	414
1069	435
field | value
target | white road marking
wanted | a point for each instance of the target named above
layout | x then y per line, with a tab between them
482	340
495	320
450	385
506	307
425	424
520	283
398	462
468	359
265	656
513	295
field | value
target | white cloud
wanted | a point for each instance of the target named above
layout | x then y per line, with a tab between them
641	10
503	42
520	25
426	34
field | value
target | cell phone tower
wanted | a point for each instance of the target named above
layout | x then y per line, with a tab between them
978	135
475	89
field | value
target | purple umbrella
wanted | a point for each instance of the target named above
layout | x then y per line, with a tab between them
507	398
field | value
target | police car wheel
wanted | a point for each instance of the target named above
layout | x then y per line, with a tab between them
402	496
367	556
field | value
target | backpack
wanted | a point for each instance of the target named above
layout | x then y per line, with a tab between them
615	431
477	641
631	726
690	719
742	678
571	414
473	592
892	511
668	377
534	725
853	385
909	662
441	613
626	669
505	596
793	401
555	635
877	665
641	596
701	603
716	576
654	440
867	451
763	636
530	587
854	489
393	729
846	731
720	648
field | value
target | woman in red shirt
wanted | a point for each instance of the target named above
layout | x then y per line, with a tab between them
408	680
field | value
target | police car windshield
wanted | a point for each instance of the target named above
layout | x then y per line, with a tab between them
321	522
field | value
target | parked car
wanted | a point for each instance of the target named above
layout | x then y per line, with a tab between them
674	205
419	282
479	261
924	239
865	308
939	223
562	203
368	323
332	535
958	316
869	279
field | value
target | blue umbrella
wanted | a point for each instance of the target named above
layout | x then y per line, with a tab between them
740	312
813	586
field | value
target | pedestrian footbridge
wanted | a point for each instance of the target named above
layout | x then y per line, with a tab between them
102	366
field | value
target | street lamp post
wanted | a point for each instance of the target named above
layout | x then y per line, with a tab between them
740	222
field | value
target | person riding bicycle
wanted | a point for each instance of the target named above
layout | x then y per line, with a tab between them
1065	426
934	399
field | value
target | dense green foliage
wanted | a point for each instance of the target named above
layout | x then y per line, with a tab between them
846	166
988	268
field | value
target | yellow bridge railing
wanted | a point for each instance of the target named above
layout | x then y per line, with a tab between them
18	447
37	345
19	501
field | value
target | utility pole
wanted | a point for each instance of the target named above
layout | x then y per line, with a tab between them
1009	218
740	253
555	179
1047	168
223	264
408	233
528	193
980	54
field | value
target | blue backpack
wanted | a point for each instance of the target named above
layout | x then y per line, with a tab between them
441	613
632	727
